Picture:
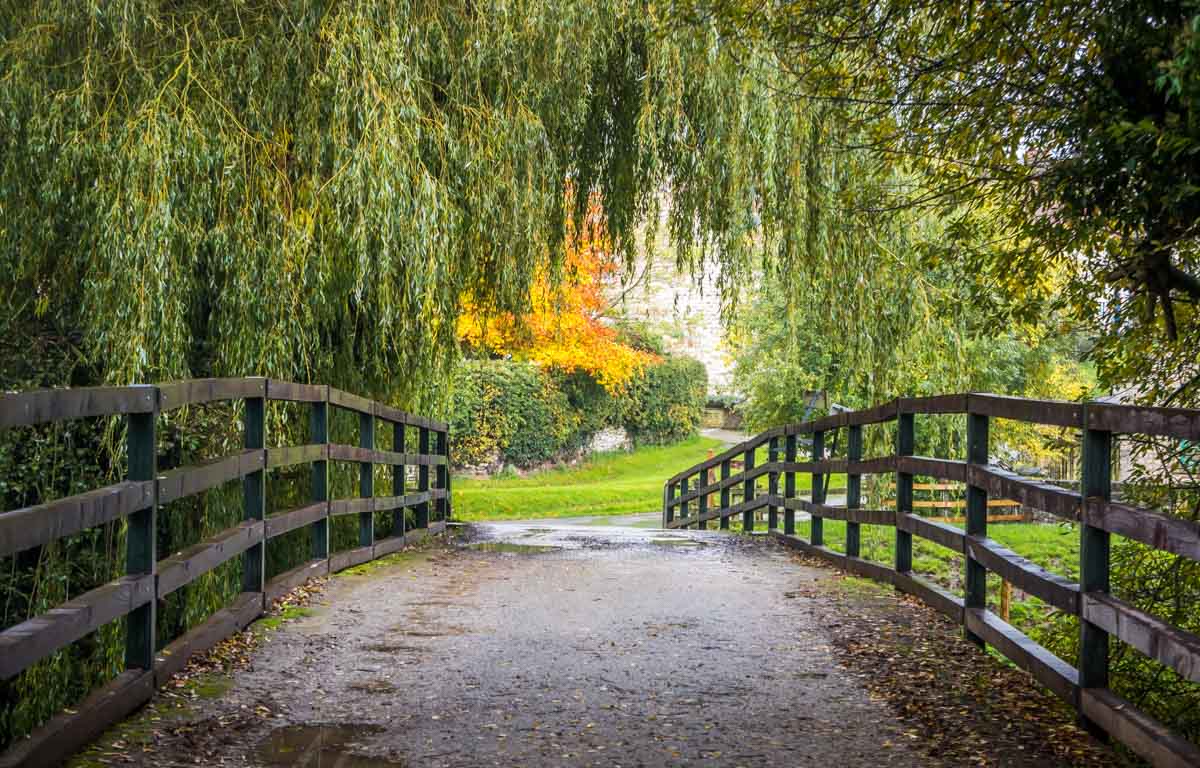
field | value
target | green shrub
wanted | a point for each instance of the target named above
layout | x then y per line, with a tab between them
640	334
511	410
595	407
668	402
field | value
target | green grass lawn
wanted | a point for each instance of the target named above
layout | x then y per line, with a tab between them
1053	547
617	483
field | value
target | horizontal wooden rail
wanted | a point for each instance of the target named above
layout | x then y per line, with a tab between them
339	452
37	638
138	499
34	526
931	594
1047	497
984	487
290	455
188	481
939	533
41	406
200	391
282	522
1050	412
1183	423
1046	668
942	469
1170	534
1056	590
1154	637
185	567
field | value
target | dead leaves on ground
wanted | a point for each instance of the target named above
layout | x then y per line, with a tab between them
962	706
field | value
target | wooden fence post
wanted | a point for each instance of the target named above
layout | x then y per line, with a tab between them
817	536
254	496
444	477
726	471
668	508
366	480
318	432
140	554
789	485
854	491
773	485
398	477
423	478
1094	544
748	489
905	443
685	510
702	502
975	594
439	475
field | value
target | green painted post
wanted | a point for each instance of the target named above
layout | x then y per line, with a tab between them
318	432
789	486
702	501
444	476
423	478
818	490
748	489
1094	545
685	510
726	473
140	555
366	479
854	491
398	471
773	485
668	505
975	595
254	492
905	444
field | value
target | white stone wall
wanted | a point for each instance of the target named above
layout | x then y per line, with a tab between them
610	439
686	312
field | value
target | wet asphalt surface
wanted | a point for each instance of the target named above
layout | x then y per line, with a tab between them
551	645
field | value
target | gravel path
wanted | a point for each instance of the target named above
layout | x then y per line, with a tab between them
543	645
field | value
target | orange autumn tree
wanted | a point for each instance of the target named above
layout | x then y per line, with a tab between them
564	328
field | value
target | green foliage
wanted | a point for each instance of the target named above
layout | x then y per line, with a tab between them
669	400
510	410
517	413
943	345
310	191
642	335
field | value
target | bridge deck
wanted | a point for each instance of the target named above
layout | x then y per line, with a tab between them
612	646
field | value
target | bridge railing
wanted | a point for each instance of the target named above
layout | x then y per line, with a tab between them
137	498
686	499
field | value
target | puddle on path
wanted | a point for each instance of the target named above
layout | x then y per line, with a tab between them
509	548
312	746
678	543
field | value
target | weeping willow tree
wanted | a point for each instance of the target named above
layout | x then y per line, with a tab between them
311	190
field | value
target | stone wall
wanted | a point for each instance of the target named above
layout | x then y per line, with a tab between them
685	310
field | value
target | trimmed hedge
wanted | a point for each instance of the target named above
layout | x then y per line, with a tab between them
511	412
508	410
669	401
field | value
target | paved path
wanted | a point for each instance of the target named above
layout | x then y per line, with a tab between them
548	645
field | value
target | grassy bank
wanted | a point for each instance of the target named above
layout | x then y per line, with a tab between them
618	483
1054	547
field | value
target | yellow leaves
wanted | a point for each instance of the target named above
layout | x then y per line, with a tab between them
564	327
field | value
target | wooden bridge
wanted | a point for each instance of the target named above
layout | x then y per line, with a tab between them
149	579
687	503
